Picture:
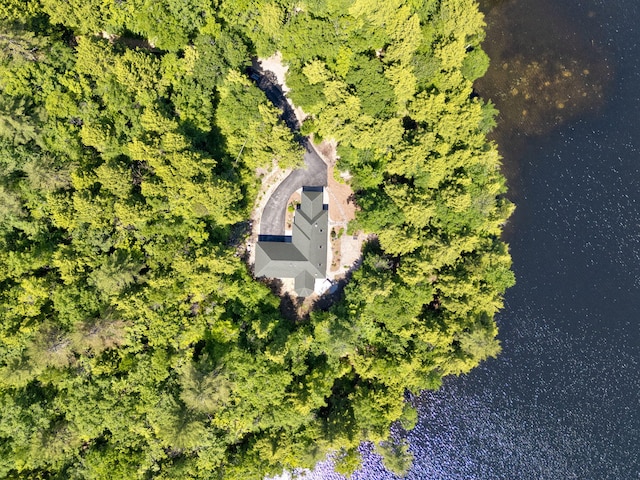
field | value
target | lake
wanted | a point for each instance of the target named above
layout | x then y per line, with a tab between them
563	399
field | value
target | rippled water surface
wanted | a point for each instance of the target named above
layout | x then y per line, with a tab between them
563	399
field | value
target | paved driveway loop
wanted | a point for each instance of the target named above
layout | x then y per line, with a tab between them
313	174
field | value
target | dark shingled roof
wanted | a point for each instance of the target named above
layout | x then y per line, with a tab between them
304	257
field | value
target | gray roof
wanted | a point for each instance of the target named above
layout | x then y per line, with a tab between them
302	256
304	284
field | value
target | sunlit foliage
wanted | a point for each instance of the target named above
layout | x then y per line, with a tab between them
134	342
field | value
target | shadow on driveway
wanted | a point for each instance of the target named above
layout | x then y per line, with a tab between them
313	174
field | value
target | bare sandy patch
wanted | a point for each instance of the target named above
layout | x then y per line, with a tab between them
345	251
328	150
274	64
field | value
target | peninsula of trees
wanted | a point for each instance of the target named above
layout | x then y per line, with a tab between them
134	342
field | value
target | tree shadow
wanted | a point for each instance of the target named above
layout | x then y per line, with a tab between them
290	305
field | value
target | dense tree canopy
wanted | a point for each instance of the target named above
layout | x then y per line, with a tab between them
134	342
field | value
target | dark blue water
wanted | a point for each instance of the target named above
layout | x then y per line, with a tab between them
563	399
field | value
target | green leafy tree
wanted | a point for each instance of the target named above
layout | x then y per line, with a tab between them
134	342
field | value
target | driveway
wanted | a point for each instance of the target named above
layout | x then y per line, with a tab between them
313	174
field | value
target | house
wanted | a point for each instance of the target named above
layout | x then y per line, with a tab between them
303	255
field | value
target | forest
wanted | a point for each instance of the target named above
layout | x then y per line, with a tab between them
134	341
